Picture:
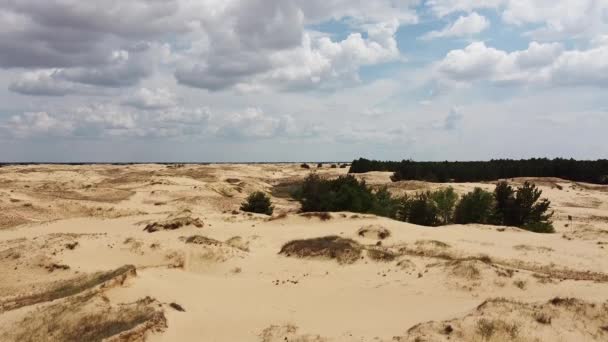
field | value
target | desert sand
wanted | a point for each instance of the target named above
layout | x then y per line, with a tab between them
162	253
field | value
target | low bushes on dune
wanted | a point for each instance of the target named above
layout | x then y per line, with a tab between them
521	207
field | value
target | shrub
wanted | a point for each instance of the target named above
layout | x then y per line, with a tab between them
320	165
474	207
344	193
258	202
539	227
333	166
522	208
305	166
384	204
445	199
419	209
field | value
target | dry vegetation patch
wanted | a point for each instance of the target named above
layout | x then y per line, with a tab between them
88	317
175	222
345	251
69	287
323	216
374	232
287	332
507	320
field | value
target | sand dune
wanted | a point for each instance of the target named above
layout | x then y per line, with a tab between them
160	253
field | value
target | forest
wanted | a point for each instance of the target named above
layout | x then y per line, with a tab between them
591	171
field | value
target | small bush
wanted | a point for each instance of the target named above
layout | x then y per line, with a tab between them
320	165
540	227
445	199
334	166
258	202
305	166
522	207
474	207
419	209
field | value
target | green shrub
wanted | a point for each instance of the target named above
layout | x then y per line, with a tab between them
419	209
522	208
258	202
384	204
539	227
445	199
474	207
344	193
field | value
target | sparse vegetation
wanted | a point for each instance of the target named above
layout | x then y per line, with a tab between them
258	202
345	251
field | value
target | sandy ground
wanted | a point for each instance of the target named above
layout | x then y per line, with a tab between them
77	263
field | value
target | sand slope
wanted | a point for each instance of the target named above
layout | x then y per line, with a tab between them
200	270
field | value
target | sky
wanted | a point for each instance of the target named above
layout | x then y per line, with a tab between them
302	80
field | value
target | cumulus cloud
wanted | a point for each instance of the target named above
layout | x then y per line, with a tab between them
463	26
316	60
442	8
41	83
145	98
106	120
558	19
110	120
252	123
369	135
548	64
38	123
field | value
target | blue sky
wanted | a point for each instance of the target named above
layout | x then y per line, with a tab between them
292	80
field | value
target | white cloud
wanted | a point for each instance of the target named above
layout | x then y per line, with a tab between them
547	64
251	123
317	59
145	98
463	26
442	8
38	123
354	133
560	19
41	83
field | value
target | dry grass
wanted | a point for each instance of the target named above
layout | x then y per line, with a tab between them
433	243
374	232
487	329
500	320
88	317
69	288
203	240
379	254
323	216
174	223
345	251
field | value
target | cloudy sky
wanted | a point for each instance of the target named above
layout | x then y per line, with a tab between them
290	80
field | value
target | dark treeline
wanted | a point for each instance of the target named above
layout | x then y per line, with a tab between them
472	171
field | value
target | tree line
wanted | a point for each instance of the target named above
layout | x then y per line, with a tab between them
591	171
